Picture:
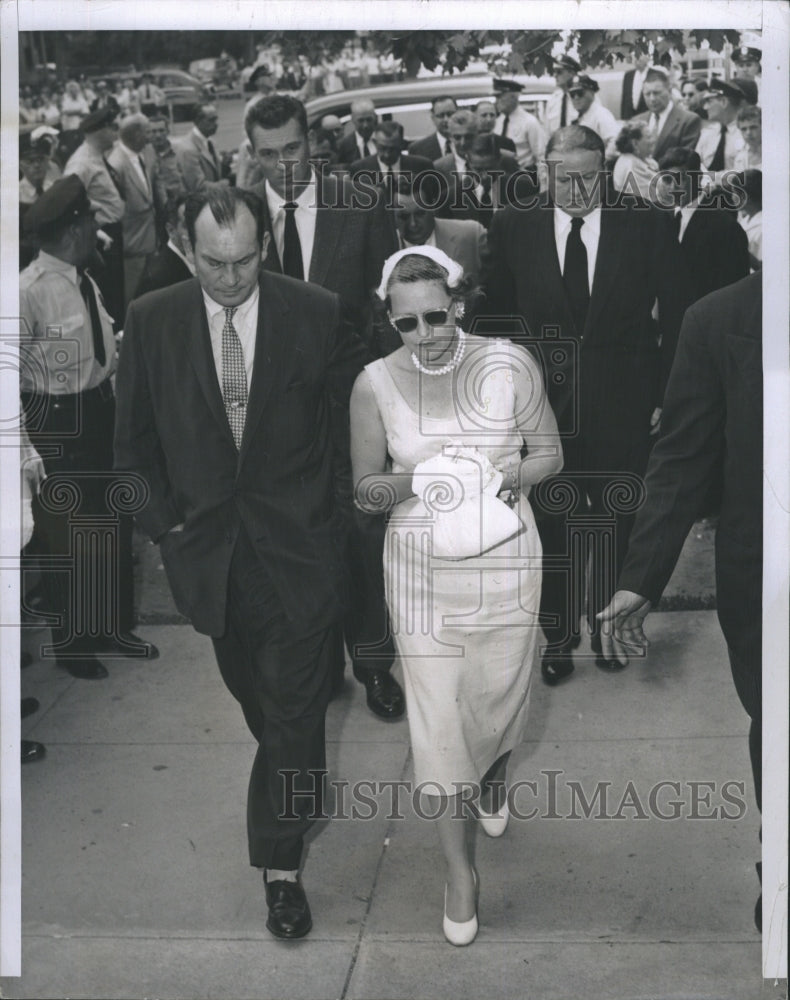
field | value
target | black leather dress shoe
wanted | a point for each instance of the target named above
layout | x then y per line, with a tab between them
384	694
32	751
555	669
610	666
28	706
87	669
289	911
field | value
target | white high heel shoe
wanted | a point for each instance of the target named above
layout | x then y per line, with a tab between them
461	932
494	824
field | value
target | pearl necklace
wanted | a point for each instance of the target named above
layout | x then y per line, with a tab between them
453	363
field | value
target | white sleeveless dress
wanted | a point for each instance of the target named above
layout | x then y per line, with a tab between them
466	631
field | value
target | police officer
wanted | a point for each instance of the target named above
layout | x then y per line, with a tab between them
67	355
38	174
89	163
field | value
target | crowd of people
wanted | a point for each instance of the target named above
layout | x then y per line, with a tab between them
355	338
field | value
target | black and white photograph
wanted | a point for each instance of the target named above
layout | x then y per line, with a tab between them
395	500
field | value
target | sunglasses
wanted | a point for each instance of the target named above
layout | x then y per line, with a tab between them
577	93
407	324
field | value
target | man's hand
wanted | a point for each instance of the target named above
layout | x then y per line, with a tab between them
655	421
621	625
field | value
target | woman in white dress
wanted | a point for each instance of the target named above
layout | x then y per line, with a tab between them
436	423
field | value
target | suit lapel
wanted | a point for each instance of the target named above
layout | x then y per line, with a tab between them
669	125
329	225
610	246
272	260
195	331
270	346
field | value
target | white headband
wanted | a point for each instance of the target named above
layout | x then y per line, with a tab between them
454	270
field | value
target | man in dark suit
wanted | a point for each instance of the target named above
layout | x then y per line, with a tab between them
321	232
703	246
493	181
232	394
437	144
359	143
389	158
674	125
633	100
169	265
580	272
487	114
711	431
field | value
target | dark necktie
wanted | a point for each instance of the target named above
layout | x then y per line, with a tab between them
505	124
485	197
89	295
141	161
574	275
148	90
213	154
676	225
447	147
39	189
365	148
234	377
564	111
292	248
717	163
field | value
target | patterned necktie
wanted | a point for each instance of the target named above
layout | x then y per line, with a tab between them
234	377
97	334
717	163
292	247
574	274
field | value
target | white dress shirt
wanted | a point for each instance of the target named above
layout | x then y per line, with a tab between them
245	322
526	132
305	217
708	143
361	146
600	120
590	234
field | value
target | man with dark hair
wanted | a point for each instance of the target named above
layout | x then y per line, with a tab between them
632	101
674	126
195	151
493	181
169	265
359	143
703	246
581	272
320	235
67	359
437	144
389	158
168	179
486	114
245	454
463	129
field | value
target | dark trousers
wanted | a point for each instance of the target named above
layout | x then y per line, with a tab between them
83	529
584	547
365	628
747	676
279	672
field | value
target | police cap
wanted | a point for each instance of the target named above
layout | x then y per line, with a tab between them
57	207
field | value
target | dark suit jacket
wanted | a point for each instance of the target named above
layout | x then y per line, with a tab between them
712	422
347	150
353	238
681	128
369	166
283	485
504	142
602	381
162	269
513	187
627	109
428	147
714	252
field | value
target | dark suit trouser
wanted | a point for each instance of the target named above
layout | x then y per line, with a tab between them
279	672
747	676
89	584
366	626
589	546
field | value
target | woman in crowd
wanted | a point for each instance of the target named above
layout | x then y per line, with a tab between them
635	169
437	431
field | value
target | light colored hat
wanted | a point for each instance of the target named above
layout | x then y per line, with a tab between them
454	270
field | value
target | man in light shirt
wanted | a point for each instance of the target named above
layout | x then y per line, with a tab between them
720	141
582	91
559	110
519	125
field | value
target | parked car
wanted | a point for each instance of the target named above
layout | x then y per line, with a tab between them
182	90
409	101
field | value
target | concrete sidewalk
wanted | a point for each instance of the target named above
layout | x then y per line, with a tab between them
135	882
